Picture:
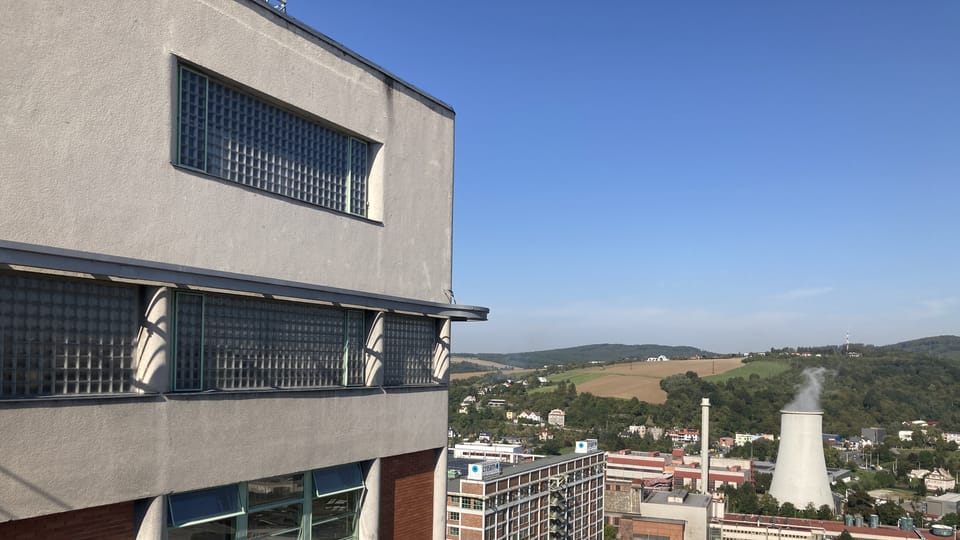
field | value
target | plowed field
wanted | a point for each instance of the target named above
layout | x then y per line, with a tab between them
642	379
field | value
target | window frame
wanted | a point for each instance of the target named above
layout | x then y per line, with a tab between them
352	143
352	320
309	493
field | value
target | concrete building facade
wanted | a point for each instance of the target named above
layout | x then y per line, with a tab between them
556	497
225	273
656	515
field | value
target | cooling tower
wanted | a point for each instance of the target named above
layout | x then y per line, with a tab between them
801	474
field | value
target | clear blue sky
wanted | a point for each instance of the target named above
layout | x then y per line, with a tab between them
727	175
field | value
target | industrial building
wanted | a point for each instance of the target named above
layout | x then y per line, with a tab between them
640	513
753	527
225	273
683	471
555	497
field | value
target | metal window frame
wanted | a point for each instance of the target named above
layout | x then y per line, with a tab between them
176	342
347	376
305	500
206	114
171	520
348	180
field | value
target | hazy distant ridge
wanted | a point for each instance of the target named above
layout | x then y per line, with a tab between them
937	346
603	352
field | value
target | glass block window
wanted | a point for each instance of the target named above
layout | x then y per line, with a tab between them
409	344
189	339
233	135
354	347
228	343
60	336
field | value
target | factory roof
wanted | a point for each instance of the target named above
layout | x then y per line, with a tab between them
453	485
678	497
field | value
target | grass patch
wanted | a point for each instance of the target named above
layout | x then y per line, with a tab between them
763	368
575	376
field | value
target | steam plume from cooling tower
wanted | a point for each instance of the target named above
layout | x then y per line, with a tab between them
808	398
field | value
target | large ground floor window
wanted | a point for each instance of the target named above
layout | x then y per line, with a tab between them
317	505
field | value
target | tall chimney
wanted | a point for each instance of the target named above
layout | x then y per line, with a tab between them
705	445
801	474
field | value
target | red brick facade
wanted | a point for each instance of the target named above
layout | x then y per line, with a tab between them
406	496
628	527
112	522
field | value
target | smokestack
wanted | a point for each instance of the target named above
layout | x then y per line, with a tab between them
705	445
801	474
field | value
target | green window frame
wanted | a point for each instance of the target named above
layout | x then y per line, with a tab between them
319	504
232	134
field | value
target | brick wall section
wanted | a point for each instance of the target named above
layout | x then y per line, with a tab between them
630	527
112	522
406	496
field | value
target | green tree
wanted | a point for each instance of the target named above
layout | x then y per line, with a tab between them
952	519
787	509
824	512
609	532
845	535
809	511
859	502
890	512
769	505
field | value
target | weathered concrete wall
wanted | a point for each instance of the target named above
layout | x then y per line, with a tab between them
88	120
66	454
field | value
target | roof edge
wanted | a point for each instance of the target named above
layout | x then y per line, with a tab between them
97	264
267	8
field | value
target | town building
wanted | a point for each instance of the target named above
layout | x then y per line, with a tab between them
753	527
509	453
741	439
939	505
664	515
627	467
557	417
939	480
225	273
530	417
873	435
555	497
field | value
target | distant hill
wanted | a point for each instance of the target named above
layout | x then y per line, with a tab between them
603	352
937	346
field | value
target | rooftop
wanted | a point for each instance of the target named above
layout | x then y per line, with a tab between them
453	485
678	497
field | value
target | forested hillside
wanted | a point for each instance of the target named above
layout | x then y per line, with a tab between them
858	392
882	388
604	352
938	346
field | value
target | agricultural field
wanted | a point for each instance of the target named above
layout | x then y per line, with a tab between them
505	369
639	379
762	368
